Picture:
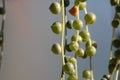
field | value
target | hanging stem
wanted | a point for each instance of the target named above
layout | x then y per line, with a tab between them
76	69
92	78
62	73
113	36
62	41
91	68
63	29
113	33
115	69
117	74
65	32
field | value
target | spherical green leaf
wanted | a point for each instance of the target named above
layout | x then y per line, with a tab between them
80	52
118	8
56	27
116	43
85	35
68	68
72	60
114	2
87	74
117	54
115	23
91	51
74	46
72	77
55	8
56	48
77	38
90	18
77	24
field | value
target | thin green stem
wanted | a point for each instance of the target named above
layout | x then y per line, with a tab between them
113	36
90	37
76	68
65	37
63	30
62	40
92	78
62	72
117	74
115	69
85	10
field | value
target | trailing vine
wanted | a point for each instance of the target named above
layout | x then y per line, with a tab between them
114	58
69	63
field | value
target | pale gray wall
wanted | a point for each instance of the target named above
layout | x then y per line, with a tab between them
28	39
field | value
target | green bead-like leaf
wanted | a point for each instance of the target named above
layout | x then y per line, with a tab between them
114	2
80	52
55	8
117	9
72	77
85	35
87	74
56	48
77	24
77	38
116	43
90	51
117	54
68	68
90	18
72	60
74	46
56	27
116	23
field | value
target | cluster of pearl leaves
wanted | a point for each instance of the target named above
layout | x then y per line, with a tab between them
69	64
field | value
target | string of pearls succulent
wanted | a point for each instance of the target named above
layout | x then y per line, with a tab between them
114	62
69	63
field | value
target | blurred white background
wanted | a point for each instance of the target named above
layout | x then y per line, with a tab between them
28	40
